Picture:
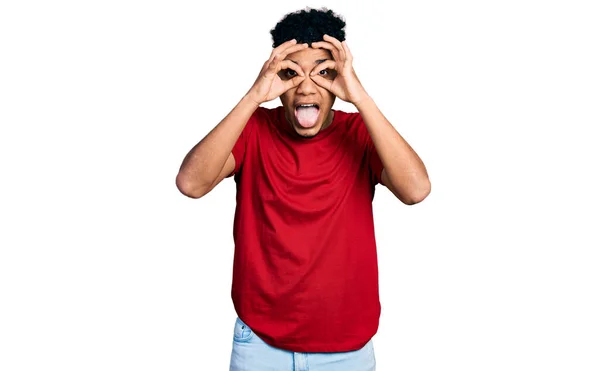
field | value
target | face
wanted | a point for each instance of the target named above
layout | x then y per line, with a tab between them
308	92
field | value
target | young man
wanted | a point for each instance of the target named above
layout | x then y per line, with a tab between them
305	278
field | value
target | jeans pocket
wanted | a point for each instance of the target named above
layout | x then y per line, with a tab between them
241	332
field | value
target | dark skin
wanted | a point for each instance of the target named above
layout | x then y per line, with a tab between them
321	73
332	76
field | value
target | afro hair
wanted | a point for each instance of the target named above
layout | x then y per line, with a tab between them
308	26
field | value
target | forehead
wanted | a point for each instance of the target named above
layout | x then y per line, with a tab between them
309	56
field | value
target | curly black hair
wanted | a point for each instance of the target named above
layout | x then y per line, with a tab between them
307	26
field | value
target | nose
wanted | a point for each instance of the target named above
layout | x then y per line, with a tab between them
307	86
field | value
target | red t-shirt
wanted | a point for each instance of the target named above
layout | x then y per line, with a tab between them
305	274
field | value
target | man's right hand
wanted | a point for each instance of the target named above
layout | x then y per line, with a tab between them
269	84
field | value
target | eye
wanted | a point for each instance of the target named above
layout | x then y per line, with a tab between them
324	72
290	73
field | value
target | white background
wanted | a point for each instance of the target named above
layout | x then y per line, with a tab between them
104	265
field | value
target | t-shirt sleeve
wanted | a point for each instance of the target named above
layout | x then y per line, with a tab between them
375	164
372	157
239	148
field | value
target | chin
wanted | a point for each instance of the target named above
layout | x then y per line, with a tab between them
301	130
308	132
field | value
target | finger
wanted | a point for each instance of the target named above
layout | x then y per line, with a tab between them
277	65
347	50
276	51
282	47
336	43
323	66
329	46
292	49
279	56
264	66
292	83
322	82
292	66
285	48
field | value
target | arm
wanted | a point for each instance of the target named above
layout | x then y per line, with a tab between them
404	173
210	161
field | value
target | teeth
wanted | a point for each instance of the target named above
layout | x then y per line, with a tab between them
308	105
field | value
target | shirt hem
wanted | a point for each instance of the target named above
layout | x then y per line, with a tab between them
314	348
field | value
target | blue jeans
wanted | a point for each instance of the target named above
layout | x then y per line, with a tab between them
251	353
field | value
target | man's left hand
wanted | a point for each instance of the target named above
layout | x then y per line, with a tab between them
344	84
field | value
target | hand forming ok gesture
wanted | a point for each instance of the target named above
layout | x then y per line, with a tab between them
269	85
345	85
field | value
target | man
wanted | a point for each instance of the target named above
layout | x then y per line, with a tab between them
305	278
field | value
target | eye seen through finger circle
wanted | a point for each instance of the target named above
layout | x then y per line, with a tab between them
289	73
327	73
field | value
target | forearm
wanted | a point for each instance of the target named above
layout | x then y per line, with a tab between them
203	163
405	171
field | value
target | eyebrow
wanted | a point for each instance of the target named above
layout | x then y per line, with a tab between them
318	61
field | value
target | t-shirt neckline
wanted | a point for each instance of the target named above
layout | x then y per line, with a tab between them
293	135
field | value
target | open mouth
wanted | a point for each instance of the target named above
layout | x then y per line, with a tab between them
307	114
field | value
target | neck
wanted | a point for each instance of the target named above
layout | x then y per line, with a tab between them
328	121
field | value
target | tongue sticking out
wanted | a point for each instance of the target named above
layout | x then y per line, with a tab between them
307	116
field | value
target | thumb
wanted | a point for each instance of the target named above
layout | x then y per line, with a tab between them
292	83
322	82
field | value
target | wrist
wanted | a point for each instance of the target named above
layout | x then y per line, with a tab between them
248	100
362	101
